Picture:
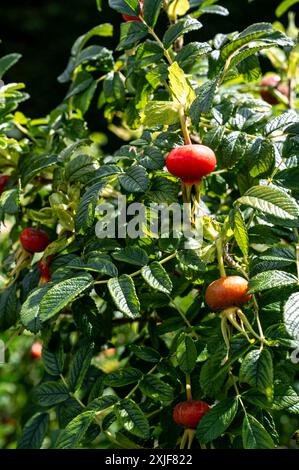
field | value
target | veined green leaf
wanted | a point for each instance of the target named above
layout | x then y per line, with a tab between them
123	292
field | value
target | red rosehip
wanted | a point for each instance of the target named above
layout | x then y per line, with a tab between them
34	240
44	265
189	413
273	81
4	179
227	292
36	350
191	162
134	18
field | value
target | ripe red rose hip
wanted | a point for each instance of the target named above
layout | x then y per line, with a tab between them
4	179
34	240
189	413
44	265
134	18
273	81
227	292
36	350
191	162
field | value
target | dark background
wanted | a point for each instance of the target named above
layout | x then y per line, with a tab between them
44	31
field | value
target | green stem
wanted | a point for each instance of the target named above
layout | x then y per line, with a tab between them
238	395
183	120
137	273
219	248
188	387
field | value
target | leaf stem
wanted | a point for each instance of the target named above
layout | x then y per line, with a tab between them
188	387
219	248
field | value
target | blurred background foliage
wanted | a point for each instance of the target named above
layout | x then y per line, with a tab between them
43	31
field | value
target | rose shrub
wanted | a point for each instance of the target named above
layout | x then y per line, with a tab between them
144	298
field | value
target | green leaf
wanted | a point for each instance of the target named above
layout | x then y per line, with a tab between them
190	53
32	165
249	34
291	315
80	365
288	178
34	432
62	294
151	10
233	148
51	393
132	419
160	113
7	62
180	88
255	435
271	200
130	33
156	389
284	6
86	210
145	353
204	100
8	307
214	423
123	377
131	255
102	403
281	122
30	311
212	9
156	276
190	262
186	354
123	292
66	153
126	7
152	158
178	29
271	279
261	157
103	30
240	232
72	435
80	168
135	180
53	361
9	201
257	370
